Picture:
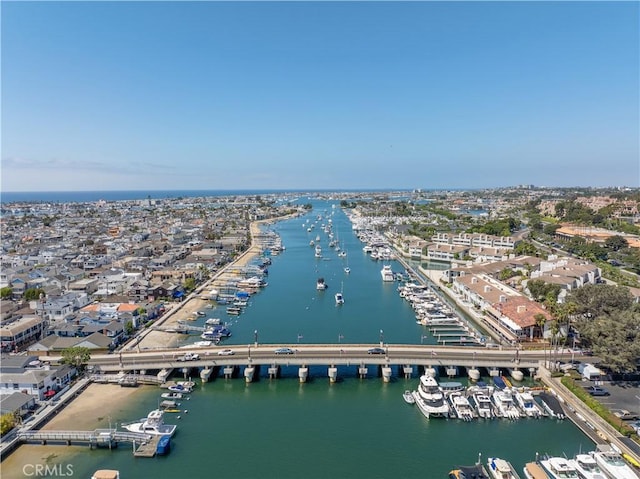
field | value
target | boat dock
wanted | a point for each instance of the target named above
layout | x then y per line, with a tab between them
147	449
97	438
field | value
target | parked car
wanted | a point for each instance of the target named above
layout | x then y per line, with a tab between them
375	351
226	352
625	415
598	391
284	351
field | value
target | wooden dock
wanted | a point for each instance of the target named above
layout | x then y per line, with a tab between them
147	449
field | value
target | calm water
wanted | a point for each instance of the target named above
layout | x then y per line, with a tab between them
352	429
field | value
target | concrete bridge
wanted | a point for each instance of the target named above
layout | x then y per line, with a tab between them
332	355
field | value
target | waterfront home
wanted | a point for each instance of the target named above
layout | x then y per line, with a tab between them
52	345
20	331
18	404
28	375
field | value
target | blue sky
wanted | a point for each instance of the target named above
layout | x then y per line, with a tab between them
296	95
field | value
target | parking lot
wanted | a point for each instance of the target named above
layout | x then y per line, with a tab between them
624	395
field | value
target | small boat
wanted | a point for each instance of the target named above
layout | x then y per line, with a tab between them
213	321
477	471
339	298
172	395
152	424
321	285
408	397
501	469
347	270
533	470
180	388
106	474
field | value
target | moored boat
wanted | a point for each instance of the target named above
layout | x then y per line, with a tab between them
321	285
339	298
612	463
587	467
533	470
501	469
559	468
430	399
408	397
152	424
387	273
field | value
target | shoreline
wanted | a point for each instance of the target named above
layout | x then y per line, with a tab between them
89	410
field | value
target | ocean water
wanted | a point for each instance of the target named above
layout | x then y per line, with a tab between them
355	428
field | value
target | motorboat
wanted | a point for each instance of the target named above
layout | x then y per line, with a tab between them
483	404
408	397
528	404
477	471
501	469
180	388
587	467
347	270
503	400
533	470
461	406
387	273
321	285
318	251
213	321
430	399
339	298
559	468
172	395
106	474
612	463
152	424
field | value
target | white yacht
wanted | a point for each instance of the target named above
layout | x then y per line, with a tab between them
483	404
559	468
339	298
461	406
318	251
387	274
587	467
430	399
612	464
501	469
503	400
528	404
321	285
152	424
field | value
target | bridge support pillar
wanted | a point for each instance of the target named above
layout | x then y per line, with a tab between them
228	372
386	373
408	371
494	372
273	371
249	371
333	373
303	374
363	371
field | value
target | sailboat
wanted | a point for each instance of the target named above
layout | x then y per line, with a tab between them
340	296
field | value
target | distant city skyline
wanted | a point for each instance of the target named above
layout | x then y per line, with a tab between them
319	95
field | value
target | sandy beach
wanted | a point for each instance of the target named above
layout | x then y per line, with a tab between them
182	311
98	406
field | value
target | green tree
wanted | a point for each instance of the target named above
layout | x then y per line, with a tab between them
33	293
128	328
189	284
594	300
6	292
616	243
76	356
7	422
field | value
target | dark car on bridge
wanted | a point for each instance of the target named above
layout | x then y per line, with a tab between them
375	351
284	351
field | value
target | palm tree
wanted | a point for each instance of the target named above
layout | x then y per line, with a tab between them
541	320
